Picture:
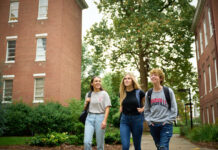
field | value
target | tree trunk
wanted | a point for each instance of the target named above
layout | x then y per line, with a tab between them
143	73
143	67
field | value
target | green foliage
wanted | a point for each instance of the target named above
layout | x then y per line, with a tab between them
184	130
15	140
51	117
115	120
111	83
21	119
17	119
50	139
205	133
112	136
143	35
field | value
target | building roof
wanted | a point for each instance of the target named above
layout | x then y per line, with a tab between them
198	11
82	4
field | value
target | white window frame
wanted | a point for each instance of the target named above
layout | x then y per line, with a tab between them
14	20
40	36
7	77
10	38
213	114
210	23
210	80
38	76
201	42
40	6
208	119
205	84
216	76
205	33
197	49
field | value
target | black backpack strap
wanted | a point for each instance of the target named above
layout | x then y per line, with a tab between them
149	96
167	95
89	94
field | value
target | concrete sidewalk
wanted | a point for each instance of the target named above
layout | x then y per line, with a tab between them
176	143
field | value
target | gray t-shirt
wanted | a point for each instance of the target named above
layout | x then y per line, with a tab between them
99	102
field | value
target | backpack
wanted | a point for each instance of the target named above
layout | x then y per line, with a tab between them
138	97
166	93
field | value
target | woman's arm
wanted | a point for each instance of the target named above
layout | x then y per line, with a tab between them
104	122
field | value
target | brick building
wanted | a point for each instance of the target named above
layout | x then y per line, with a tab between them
205	27
40	50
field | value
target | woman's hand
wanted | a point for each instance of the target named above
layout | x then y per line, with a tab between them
140	110
121	109
103	124
88	99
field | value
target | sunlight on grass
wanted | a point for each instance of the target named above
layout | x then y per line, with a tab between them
176	130
14	140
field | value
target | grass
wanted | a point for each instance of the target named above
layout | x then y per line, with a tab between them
5	141
176	130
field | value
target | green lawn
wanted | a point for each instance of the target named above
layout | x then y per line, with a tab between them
176	130
4	141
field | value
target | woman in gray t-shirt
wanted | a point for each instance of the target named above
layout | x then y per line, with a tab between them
98	113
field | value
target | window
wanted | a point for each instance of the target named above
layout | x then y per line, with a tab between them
205	33
208	119
201	42
203	116
13	15
213	114
43	9
197	50
210	23
209	71
215	68
41	47
205	84
11	46
39	90
7	90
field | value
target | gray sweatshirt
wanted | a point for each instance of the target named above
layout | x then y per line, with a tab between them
159	112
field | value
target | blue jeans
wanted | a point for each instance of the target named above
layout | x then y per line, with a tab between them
131	124
93	123
161	135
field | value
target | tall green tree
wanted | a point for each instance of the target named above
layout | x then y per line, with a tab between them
144	34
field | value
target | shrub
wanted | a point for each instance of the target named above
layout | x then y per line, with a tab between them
115	120
184	130
205	133
112	136
51	117
17	119
50	139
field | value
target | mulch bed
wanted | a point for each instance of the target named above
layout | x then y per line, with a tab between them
213	145
62	147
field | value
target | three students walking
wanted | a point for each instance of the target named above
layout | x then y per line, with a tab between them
157	107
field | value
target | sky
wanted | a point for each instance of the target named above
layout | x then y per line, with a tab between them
91	15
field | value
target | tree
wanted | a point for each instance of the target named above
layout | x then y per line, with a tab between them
144	34
89	69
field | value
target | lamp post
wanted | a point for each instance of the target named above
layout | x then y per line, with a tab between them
190	104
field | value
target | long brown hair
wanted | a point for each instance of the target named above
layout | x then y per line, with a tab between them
92	80
123	87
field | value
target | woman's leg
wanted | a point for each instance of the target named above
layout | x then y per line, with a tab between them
99	132
88	132
125	132
137	130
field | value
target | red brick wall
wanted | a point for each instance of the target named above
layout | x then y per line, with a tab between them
63	49
206	59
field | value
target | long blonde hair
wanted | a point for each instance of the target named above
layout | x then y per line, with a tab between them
123	87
